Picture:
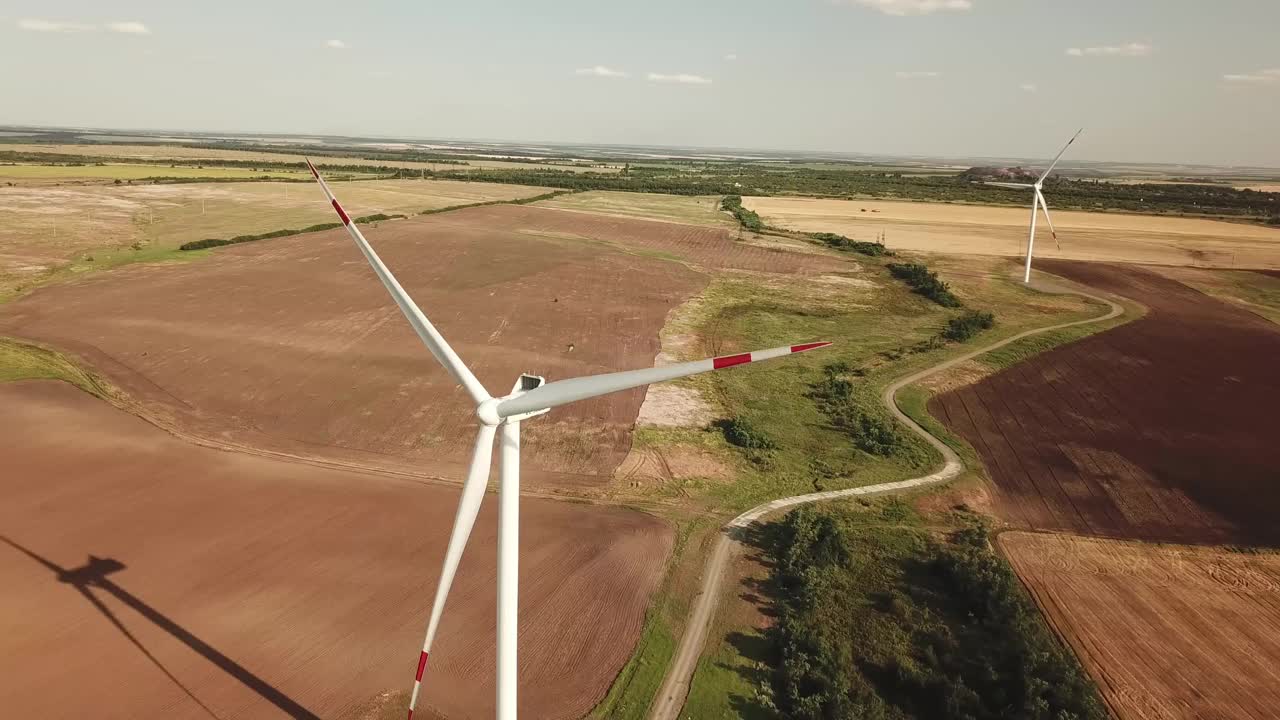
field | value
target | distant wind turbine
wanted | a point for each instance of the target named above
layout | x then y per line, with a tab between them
1037	199
530	396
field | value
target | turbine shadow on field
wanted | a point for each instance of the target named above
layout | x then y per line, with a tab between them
93	574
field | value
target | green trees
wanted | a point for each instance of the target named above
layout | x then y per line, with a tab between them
877	620
748	218
925	282
840	242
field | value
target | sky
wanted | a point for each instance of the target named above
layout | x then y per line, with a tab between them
1176	81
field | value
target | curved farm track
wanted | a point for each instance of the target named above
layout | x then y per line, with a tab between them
1159	431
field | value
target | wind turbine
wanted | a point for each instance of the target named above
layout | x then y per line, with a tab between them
530	396
1037	199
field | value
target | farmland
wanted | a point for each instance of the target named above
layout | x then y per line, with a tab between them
233	585
52	229
982	230
695	210
243	348
1146	431
351	156
1168	631
1257	292
285	352
174	337
52	174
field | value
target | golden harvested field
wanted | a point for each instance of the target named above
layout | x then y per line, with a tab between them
986	230
1168	632
177	152
53	227
692	210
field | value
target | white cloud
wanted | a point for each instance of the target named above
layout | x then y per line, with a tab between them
1028	87
600	71
917	74
682	78
37	25
129	26
731	57
1261	77
911	7
1133	49
335	44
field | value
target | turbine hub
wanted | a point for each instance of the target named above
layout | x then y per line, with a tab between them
487	411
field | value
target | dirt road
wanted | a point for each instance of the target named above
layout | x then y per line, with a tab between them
675	688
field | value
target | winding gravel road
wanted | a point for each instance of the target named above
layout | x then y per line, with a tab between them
675	688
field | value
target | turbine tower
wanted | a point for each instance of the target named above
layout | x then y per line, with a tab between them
530	396
1037	200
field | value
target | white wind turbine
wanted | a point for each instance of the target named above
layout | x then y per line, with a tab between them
530	396
1037	199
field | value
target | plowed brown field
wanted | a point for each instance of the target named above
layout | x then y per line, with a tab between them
144	577
1168	632
291	345
704	246
1160	429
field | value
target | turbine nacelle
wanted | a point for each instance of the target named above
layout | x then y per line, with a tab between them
490	413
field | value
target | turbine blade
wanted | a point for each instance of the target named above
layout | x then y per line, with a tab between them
468	508
431	337
1059	156
1017	186
1045	207
563	392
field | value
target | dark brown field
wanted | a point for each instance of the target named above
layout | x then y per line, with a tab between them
1161	429
233	586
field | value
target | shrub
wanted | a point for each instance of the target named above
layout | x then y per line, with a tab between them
841	242
924	282
218	242
377	217
748	218
741	432
968	324
869	433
